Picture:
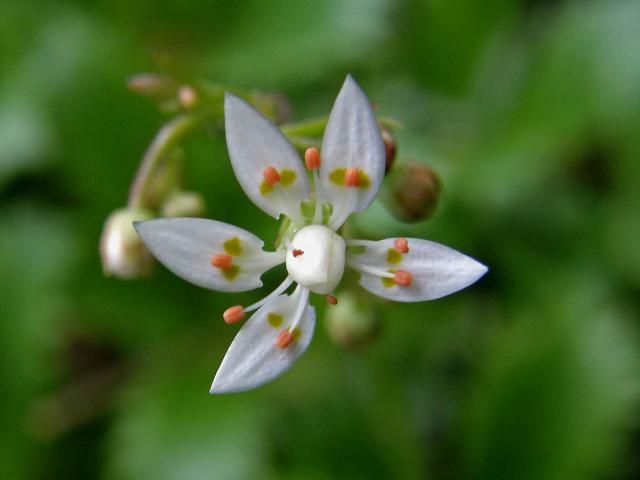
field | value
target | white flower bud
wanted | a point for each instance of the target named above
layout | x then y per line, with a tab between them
184	204
123	253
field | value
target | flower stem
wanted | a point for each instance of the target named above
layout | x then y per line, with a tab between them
169	136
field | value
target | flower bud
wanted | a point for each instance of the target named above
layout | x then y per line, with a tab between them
349	323
412	191
123	253
187	97
184	204
153	85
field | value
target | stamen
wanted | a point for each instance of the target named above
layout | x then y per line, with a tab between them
403	278
303	292
401	245
297	252
278	291
233	314
317	214
332	300
284	339
312	158
271	176
351	177
222	261
364	268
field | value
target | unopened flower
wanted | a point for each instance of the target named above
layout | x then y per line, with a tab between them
184	204
412	191
123	253
346	173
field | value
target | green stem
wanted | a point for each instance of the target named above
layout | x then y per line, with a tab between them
169	136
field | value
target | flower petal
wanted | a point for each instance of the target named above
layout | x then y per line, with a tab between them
186	246
253	357
352	140
255	144
435	270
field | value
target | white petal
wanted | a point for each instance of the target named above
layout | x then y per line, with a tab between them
253	357
437	270
186	245
352	139
255	143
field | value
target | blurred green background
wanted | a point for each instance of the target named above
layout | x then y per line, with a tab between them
529	111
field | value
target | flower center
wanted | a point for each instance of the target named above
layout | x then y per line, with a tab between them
320	266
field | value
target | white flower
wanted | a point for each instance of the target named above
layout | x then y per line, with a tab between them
222	257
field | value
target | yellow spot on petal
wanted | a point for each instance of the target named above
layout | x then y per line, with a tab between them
337	176
363	179
265	188
274	319
233	247
231	273
356	249
393	256
389	282
296	333
287	177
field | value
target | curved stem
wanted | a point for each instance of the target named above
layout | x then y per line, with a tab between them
169	136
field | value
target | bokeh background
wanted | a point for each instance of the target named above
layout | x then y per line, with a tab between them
528	110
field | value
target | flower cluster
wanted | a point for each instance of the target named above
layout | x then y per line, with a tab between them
346	175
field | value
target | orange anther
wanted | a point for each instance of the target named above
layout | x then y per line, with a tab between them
285	338
351	177
332	300
222	261
233	314
403	278
401	245
296	252
312	158
271	176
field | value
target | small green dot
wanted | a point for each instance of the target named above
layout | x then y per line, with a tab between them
363	179
337	176
287	177
233	247
356	249
274	319
231	273
265	188
393	256
388	282
296	333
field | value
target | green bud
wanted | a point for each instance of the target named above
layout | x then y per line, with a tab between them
412	191
123	253
350	324
184	204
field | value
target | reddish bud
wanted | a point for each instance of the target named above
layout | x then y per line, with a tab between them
351	177
222	261
285	338
401	245
403	278
233	314
271	176
187	97
332	300
312	158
